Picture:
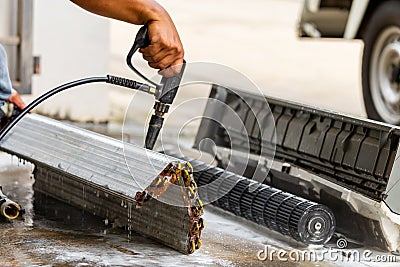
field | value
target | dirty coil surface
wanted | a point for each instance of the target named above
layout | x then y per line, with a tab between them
180	174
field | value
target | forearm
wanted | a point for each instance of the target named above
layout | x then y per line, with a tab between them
131	11
165	47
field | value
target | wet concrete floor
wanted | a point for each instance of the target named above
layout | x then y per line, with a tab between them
52	233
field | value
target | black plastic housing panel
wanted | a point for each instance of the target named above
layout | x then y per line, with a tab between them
352	152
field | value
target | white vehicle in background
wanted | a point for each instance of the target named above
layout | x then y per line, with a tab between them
377	23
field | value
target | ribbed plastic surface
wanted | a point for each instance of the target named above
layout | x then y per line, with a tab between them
299	218
352	152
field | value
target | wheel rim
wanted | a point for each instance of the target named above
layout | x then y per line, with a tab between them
385	75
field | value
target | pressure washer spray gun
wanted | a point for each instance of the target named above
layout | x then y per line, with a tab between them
164	93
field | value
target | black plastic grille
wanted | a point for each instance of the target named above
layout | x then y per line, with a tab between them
352	152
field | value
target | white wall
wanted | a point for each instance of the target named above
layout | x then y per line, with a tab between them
72	44
4	18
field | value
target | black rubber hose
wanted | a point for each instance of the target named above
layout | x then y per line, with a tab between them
45	96
108	79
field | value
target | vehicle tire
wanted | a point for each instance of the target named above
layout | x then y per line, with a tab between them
381	63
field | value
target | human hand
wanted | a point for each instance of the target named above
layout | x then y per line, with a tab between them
165	51
16	100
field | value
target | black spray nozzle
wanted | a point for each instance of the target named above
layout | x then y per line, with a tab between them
166	95
155	125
